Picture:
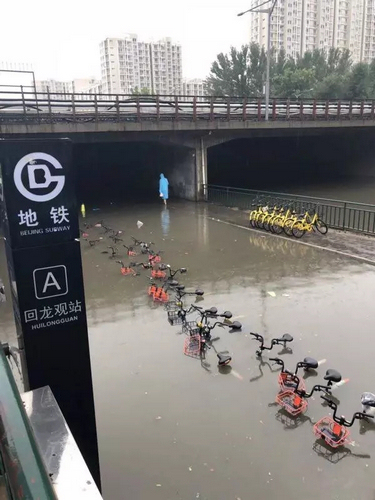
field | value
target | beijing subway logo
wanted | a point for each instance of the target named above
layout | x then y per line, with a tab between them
37	178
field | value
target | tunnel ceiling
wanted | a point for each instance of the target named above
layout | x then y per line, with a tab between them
274	163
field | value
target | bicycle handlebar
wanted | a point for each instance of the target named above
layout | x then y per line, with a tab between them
258	337
342	420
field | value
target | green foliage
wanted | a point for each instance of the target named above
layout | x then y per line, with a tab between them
358	82
317	74
294	83
142	91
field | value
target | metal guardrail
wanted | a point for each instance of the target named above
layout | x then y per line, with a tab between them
345	215
34	107
21	463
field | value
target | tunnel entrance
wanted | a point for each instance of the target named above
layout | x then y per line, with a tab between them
122	172
331	164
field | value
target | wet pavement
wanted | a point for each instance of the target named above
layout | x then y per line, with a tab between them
171	429
350	244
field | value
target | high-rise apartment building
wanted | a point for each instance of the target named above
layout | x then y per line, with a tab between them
128	64
193	87
66	88
301	25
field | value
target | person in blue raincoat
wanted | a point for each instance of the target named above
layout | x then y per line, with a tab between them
163	188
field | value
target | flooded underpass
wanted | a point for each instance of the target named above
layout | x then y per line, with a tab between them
170	428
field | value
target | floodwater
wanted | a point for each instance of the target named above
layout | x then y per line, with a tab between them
172	429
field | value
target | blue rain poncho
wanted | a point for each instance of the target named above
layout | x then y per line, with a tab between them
163	187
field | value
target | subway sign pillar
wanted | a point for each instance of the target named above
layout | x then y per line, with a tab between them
40	221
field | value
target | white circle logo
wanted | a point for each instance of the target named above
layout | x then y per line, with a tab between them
38	172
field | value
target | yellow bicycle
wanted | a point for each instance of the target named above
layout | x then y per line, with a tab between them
308	224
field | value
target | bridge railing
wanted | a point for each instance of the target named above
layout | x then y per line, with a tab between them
345	215
48	107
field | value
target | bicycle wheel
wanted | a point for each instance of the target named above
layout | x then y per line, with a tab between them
253	219
266	222
321	226
277	225
287	227
259	221
298	230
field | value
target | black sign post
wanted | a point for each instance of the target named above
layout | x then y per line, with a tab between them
40	219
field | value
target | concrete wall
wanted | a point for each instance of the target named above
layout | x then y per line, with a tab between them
182	177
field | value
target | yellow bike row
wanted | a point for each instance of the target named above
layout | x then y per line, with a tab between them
283	218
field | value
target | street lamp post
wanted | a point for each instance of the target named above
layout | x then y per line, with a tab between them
269	12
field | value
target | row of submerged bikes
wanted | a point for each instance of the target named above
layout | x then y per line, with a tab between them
278	216
198	323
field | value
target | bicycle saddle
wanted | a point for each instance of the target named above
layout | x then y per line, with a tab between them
332	376
211	310
236	325
199	292
226	314
180	287
310	363
286	338
173	283
224	359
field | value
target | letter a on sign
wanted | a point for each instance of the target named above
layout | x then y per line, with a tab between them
50	282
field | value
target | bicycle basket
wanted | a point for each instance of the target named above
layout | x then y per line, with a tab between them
176	317
190	328
331	432
291	402
161	296
158	274
192	346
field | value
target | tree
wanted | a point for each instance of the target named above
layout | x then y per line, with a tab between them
316	74
239	73
229	73
295	83
143	91
332	86
371	80
358	82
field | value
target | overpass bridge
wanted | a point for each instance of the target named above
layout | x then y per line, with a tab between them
38	112
191	123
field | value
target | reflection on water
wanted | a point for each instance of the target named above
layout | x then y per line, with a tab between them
165	221
161	413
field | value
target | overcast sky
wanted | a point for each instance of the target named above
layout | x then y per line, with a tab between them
61	39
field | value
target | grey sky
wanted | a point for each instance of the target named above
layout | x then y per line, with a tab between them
61	39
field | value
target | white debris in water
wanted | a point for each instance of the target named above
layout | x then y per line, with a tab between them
158	418
190	469
273	294
158	485
139	224
286	295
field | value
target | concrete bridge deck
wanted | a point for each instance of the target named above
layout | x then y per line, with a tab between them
23	113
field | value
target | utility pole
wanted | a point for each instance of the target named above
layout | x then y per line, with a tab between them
269	12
